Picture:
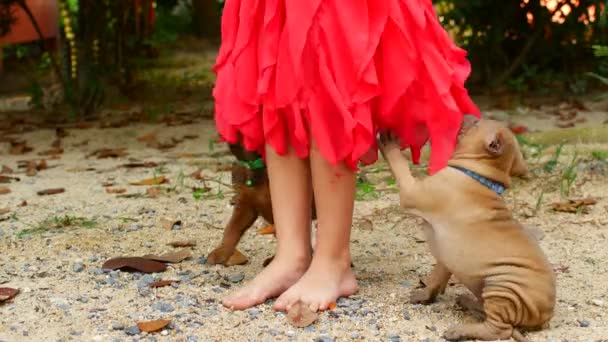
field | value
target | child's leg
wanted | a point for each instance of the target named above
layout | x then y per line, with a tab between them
291	195
329	275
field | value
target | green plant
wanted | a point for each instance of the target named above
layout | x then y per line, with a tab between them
365	191
569	175
552	163
601	155
57	222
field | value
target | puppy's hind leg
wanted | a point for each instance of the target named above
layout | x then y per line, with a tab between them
435	283
496	326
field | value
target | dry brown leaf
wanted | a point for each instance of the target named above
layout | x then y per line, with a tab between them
153	326
50	191
42	165
134	264
152	181
168	223
147	137
4	191
143	164
61	133
115	190
4	211
6	169
22	204
19	147
198	174
186	243
300	315
365	224
8	179
574	205
237	258
7	293
109	153
163	283
269	229
31	170
51	152
171	257
153	192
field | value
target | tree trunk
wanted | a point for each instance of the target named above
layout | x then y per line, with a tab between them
206	17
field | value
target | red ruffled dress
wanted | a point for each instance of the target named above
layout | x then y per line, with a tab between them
337	72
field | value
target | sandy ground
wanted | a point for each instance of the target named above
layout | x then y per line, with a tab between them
65	296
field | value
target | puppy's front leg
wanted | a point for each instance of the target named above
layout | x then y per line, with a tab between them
399	165
435	284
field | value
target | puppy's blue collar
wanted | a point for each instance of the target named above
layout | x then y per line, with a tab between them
495	186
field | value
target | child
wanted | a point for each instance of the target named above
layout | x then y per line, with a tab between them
309	83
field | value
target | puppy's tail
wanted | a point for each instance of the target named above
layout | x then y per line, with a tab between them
518	336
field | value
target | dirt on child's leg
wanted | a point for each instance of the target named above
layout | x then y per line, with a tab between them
329	276
291	193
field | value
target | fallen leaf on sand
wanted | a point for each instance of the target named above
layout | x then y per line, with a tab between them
61	133
52	151
574	205
163	283
168	223
19	147
237	258
142	164
152	181
8	179
22	204
153	326
153	192
4	211
198	174
6	169
186	243
134	264
115	191
269	229
147	137
4	191
171	257
50	191
301	316
109	153
7	293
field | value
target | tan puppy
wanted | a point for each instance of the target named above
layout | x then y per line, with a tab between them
473	235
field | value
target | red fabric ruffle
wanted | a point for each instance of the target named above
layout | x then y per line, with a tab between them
338	72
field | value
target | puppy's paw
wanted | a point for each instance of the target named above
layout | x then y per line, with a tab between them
456	333
387	142
422	297
218	256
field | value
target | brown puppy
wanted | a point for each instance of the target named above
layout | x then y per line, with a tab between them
252	200
472	234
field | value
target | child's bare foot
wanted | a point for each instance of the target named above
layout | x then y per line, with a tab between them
323	283
277	277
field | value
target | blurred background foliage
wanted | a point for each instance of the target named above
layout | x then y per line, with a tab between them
517	46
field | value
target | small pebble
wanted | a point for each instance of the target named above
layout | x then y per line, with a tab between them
117	326
324	339
597	302
290	333
191	338
405	284
163	307
273	332
236	278
132	330
406	316
583	323
78	267
354	335
202	260
164	333
309	329
394	338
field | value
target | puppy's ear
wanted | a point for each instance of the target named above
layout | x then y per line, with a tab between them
468	121
495	143
519	168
